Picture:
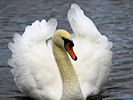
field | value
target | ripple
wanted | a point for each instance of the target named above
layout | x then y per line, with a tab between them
112	17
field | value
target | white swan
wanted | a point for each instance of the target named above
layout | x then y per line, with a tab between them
41	74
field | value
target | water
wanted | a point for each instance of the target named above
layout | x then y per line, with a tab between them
114	18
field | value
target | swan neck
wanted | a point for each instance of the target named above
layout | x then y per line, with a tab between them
71	87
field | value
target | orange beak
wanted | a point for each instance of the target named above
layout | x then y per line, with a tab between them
70	51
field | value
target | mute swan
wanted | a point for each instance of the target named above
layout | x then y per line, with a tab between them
43	70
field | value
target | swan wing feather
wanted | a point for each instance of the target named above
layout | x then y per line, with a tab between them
93	51
34	69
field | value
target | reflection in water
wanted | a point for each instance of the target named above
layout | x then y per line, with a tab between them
22	98
96	97
112	17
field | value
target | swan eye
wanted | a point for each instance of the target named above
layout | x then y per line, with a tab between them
68	41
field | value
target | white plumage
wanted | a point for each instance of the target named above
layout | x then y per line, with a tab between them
34	68
93	52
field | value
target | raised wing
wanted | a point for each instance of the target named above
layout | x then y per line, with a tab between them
93	52
34	69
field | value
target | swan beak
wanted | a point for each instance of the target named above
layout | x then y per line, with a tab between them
70	51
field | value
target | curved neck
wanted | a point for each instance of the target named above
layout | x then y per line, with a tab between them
71	87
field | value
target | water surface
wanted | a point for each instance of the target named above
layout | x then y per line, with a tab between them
114	18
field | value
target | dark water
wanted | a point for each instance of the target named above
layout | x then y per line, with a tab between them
113	18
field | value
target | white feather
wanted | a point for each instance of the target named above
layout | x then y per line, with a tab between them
93	52
35	71
34	67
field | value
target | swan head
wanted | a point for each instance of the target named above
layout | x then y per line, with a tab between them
63	39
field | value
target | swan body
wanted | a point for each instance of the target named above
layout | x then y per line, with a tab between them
43	70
